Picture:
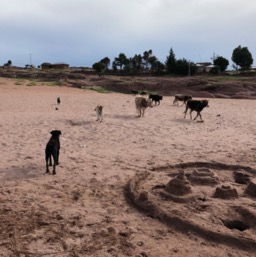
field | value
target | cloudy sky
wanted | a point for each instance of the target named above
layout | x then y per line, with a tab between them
82	32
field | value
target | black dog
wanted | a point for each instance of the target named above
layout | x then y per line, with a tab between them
58	100
52	151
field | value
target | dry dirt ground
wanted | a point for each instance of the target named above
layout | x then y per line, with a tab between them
160	185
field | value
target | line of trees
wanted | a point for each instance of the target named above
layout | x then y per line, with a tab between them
136	64
147	62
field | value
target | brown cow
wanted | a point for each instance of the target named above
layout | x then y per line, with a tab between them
142	104
183	98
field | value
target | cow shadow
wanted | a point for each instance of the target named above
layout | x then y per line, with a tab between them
79	122
123	116
186	120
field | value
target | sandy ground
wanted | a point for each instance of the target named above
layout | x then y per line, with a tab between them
83	211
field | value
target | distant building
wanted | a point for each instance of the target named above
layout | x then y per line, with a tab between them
204	67
56	66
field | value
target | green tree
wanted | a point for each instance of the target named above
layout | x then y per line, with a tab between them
106	62
151	60
136	63
99	67
8	64
120	61
146	56
221	63
242	57
157	67
182	67
170	62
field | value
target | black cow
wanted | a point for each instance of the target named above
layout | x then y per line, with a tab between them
195	105
135	92
52	150
156	98
183	98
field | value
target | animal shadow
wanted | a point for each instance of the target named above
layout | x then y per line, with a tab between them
78	122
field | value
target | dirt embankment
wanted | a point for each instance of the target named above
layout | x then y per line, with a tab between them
236	87
208	87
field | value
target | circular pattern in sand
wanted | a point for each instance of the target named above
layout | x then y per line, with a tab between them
216	201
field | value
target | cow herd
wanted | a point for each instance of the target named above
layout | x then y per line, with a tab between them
142	103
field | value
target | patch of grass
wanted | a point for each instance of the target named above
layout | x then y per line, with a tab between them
36	82
100	89
52	83
32	84
228	78
19	82
55	83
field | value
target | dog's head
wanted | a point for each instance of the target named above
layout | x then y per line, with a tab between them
98	107
56	132
205	103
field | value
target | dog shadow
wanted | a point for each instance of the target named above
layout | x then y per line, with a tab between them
15	173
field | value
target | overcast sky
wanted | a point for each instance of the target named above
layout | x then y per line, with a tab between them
82	32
